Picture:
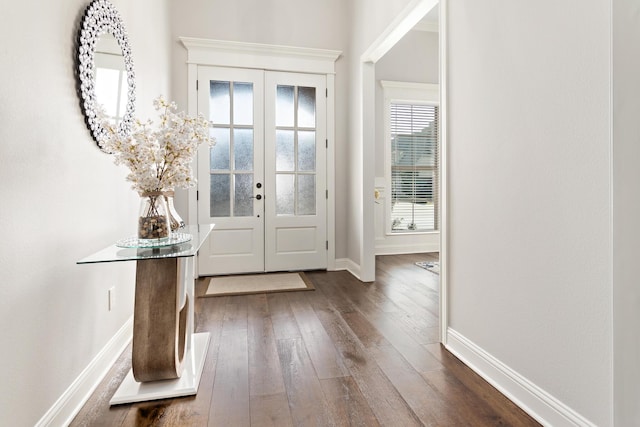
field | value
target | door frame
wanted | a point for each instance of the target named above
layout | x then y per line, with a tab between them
400	26
222	53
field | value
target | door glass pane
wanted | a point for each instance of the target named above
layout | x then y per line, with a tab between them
307	107
220	202
306	194
306	151
220	151
219	102
285	151
243	205
285	194
243	149
242	103
284	106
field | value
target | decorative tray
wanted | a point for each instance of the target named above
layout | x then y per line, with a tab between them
134	242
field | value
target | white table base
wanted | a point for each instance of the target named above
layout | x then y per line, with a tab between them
132	391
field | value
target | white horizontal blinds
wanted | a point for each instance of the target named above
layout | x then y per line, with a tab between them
414	167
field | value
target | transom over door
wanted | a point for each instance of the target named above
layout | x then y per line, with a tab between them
264	182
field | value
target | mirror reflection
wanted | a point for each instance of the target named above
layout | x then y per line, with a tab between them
110	78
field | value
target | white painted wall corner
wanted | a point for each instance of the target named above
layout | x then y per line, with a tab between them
350	266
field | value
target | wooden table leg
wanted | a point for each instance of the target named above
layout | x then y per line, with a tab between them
159	323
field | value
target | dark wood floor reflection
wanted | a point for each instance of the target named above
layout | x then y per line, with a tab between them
346	354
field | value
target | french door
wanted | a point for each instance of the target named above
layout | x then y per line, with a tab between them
263	183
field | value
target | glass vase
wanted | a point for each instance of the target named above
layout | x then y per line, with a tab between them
174	218
153	222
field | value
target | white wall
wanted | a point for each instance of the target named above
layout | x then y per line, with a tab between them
529	189
62	199
298	23
413	59
626	210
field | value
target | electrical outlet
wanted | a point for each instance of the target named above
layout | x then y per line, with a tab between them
112	297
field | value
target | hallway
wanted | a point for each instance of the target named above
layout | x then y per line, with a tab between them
347	353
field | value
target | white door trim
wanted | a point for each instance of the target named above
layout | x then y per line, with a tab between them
273	58
444	175
224	53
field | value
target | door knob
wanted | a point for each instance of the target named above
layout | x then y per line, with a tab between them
259	196
259	185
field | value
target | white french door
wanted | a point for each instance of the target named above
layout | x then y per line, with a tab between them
295	170
264	182
230	172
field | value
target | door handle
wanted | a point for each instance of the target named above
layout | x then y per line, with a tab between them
258	197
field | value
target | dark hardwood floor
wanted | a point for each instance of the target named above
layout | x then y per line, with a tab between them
346	354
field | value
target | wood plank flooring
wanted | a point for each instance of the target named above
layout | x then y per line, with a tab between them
346	354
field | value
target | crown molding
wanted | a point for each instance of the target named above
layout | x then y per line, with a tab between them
410	91
257	55
409	85
427	26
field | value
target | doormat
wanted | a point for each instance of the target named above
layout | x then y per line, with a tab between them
247	284
432	266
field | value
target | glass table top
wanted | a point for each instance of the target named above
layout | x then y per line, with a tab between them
182	248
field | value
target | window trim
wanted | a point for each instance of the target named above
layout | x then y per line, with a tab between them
402	92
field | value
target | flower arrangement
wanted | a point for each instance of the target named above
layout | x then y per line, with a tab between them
158	160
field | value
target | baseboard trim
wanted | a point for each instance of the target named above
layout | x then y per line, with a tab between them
71	401
349	265
545	408
382	249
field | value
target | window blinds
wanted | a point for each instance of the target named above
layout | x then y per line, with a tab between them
414	167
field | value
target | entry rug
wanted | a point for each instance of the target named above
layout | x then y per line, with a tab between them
432	266
257	284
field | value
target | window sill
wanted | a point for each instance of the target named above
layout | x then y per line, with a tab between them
412	233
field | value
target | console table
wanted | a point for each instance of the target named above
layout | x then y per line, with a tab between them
167	356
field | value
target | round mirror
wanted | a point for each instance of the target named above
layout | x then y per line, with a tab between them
105	69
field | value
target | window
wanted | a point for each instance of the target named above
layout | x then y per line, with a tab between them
412	161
